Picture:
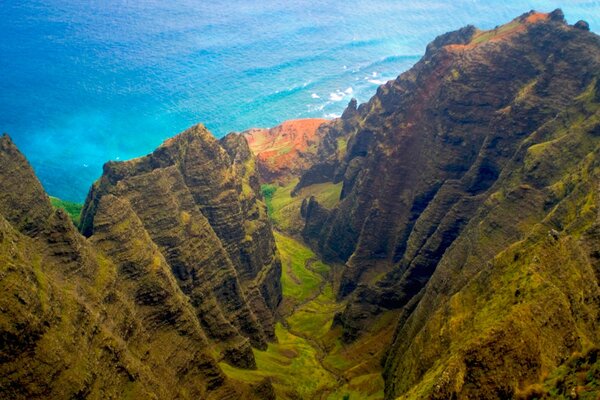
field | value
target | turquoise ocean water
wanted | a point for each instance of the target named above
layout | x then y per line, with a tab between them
83	82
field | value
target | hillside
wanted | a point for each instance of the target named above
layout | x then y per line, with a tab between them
284	151
470	204
154	295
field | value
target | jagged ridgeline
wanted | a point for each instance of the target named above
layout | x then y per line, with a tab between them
470	203
176	269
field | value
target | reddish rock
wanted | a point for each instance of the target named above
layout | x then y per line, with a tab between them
285	150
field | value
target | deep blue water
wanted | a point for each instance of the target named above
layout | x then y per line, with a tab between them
83	82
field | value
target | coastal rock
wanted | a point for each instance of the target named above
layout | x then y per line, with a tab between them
286	150
583	25
23	200
101	317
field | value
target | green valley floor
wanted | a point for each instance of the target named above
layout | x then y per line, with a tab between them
309	361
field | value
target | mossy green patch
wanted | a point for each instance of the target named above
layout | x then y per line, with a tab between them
268	191
293	365
485	36
298	282
73	209
284	209
314	318
342	145
364	387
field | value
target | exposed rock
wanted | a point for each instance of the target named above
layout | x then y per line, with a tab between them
264	390
583	25
23	200
557	15
286	150
351	110
426	158
199	202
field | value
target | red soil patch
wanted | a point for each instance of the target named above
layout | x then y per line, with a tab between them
501	33
279	149
537	17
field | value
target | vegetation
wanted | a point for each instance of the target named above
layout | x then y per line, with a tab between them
307	346
73	209
284	209
578	377
299	283
268	191
284	362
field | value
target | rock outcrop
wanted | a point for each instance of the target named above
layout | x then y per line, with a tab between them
449	170
198	200
143	306
283	152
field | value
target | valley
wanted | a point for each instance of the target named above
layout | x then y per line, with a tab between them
309	360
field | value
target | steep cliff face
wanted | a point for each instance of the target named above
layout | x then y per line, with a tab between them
453	175
98	318
518	292
286	150
198	201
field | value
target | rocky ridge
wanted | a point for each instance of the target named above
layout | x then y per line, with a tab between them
469	216
450	170
286	150
153	298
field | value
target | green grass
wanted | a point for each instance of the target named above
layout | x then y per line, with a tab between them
364	387
488	35
73	209
268	191
581	373
284	209
292	364
298	282
342	144
314	318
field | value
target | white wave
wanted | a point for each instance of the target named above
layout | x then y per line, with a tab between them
315	107
349	90
332	115
376	81
315	96
336	96
374	74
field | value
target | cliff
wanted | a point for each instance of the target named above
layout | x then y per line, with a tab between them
285	150
472	175
153	298
457	212
202	209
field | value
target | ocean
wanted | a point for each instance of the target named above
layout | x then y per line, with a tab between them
84	82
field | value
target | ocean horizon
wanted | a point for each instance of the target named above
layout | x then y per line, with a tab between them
84	83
